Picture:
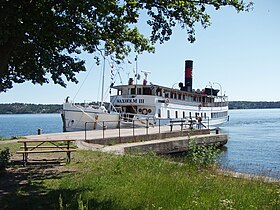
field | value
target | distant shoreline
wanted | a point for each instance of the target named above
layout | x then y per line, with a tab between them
24	108
254	104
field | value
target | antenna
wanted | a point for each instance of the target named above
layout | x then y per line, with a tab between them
146	74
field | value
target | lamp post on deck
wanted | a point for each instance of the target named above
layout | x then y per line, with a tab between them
220	89
174	85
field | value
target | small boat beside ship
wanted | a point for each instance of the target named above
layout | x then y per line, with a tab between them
139	104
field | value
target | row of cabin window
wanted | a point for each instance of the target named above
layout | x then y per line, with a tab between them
203	115
141	91
219	114
148	91
188	98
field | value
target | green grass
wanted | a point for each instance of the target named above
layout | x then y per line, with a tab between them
96	180
12	146
11	138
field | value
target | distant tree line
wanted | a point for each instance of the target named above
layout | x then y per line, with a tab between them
254	104
22	108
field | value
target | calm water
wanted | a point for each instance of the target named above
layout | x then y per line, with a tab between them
28	124
254	142
253	146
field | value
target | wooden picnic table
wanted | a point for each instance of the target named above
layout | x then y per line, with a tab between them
53	146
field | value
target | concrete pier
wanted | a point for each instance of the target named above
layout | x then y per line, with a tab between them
159	140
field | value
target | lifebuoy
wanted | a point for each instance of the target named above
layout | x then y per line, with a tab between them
144	111
166	101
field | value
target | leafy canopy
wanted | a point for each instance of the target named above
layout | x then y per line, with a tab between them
45	37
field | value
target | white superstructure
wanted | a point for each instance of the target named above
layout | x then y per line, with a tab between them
166	103
162	102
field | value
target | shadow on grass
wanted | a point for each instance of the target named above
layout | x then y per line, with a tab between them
23	188
50	200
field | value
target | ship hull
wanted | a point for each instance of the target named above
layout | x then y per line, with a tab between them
77	118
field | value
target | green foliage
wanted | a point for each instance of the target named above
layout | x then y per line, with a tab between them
254	104
60	202
4	159
21	108
17	137
202	155
41	38
81	205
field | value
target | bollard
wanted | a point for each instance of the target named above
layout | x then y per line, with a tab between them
39	131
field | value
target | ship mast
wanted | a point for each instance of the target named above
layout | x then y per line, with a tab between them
102	85
136	70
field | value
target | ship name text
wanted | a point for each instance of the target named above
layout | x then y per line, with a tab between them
131	100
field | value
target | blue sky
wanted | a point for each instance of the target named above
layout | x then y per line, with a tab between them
240	51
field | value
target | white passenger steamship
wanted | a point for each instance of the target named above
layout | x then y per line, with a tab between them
137	101
141	103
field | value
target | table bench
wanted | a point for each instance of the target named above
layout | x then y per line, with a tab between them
182	122
38	148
